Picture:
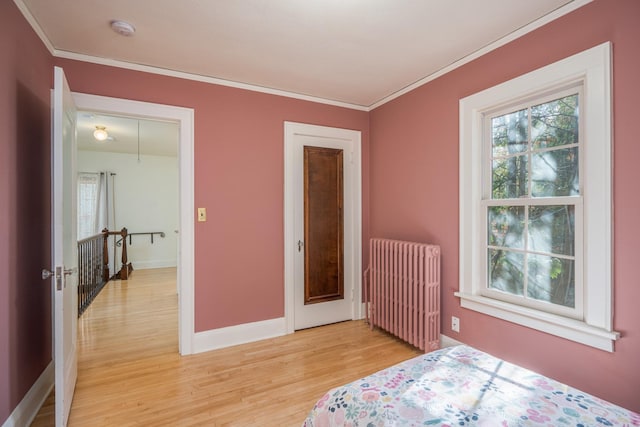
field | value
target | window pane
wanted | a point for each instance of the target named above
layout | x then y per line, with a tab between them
551	229
506	271
552	280
555	123
509	178
506	226
509	133
555	173
87	204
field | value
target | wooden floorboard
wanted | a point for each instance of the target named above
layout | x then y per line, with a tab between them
130	372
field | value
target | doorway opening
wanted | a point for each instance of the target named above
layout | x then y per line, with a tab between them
183	120
128	178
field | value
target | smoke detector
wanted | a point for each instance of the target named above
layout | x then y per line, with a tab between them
123	28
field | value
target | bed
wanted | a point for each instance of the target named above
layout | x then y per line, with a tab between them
462	386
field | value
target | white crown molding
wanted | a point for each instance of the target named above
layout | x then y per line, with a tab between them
34	24
171	73
561	11
204	79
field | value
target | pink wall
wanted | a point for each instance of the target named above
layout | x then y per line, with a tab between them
239	178
26	75
414	192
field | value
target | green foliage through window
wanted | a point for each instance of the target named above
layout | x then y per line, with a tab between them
531	245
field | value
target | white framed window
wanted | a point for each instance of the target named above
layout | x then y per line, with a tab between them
88	201
535	200
532	205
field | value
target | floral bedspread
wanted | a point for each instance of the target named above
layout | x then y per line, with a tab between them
461	386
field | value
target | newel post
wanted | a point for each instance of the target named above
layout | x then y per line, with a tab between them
124	271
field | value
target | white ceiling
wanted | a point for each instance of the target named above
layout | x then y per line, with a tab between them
128	135
357	53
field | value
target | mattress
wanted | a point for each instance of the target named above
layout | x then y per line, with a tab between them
462	386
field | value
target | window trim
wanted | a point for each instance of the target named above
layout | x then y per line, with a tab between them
592	67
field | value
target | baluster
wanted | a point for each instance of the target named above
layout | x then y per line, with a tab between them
93	271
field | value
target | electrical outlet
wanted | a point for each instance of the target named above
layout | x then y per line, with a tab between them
455	324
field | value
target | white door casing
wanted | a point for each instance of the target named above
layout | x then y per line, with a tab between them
64	223
186	263
297	315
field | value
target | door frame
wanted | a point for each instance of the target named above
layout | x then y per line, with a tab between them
186	262
291	130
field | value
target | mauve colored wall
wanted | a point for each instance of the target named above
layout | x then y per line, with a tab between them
239	178
414	192
26	76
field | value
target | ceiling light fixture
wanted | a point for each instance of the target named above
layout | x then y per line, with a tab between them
100	133
122	27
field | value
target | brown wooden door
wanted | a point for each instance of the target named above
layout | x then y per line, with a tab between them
323	225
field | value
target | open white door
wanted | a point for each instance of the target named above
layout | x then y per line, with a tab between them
326	305
64	246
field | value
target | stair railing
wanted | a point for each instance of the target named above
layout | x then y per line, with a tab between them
92	276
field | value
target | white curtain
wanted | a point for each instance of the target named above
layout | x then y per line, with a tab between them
96	208
108	215
106	207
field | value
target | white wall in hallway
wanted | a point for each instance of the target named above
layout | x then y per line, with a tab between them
146	199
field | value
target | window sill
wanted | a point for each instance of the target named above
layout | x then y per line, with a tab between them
570	329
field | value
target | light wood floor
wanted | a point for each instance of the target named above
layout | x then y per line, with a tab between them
130	372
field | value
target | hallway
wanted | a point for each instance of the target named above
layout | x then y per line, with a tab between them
130	323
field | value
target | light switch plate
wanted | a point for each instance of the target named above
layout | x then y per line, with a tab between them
202	214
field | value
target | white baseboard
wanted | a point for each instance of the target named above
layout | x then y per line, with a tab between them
239	334
249	332
446	341
30	404
161	263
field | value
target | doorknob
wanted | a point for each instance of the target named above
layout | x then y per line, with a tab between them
300	245
47	274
